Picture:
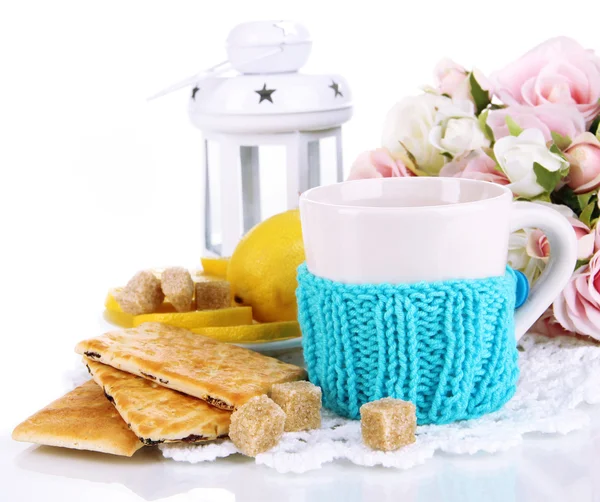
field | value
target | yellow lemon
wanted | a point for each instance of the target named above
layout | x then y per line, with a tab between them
262	270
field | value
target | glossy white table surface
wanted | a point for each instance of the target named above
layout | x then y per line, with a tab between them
544	468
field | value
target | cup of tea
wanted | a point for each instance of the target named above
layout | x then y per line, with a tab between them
406	292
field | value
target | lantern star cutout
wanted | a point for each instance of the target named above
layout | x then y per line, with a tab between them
194	91
265	94
336	87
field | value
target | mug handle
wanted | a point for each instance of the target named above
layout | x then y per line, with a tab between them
560	266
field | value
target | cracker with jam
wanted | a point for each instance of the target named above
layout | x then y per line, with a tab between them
155	413
223	375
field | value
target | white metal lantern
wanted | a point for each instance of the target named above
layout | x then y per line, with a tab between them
269	104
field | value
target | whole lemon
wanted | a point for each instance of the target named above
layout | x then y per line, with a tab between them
262	270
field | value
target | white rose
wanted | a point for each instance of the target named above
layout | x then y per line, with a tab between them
516	156
457	129
407	126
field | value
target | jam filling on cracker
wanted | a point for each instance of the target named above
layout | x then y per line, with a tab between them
218	403
109	397
192	438
151	442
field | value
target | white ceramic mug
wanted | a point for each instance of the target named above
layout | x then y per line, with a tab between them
404	230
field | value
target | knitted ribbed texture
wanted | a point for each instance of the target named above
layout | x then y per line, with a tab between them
449	347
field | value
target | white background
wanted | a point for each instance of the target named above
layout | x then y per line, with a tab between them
96	183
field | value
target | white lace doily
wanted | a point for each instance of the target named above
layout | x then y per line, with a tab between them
557	374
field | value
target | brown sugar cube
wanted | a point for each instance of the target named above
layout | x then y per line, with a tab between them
211	295
388	424
178	287
301	403
141	295
257	425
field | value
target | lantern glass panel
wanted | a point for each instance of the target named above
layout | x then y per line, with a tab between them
247	184
212	200
272	180
328	157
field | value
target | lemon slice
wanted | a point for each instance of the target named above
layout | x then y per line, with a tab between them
119	318
261	332
111	303
216	267
234	316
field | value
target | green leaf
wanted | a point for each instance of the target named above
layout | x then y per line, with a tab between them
562	142
584	199
490	153
543	198
595	127
513	128
586	214
487	130
410	156
567	197
481	97
546	179
555	150
564	170
595	215
495	106
581	263
448	155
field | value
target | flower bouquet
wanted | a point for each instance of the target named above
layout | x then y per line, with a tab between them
533	126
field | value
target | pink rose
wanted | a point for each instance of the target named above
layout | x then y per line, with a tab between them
377	163
578	307
562	119
539	247
547	325
475	165
454	81
450	77
584	156
557	71
529	249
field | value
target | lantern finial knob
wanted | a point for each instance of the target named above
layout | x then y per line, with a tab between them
268	47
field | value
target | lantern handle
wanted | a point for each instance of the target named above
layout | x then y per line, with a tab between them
213	71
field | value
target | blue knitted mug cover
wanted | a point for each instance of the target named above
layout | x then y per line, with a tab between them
448	346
